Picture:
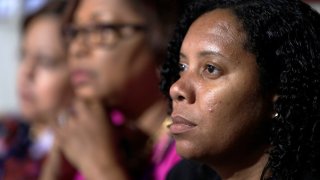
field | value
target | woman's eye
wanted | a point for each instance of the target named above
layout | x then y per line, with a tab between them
182	67
47	62
212	70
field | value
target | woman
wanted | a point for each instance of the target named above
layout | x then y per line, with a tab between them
115	47
243	77
42	88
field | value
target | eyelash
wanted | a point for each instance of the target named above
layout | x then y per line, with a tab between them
182	67
209	69
43	62
47	62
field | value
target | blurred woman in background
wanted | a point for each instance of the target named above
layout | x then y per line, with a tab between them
42	88
115	48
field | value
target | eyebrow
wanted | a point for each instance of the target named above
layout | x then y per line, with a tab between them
210	53
96	15
204	53
93	17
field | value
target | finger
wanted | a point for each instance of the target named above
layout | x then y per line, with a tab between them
90	102
61	118
66	129
63	121
62	115
96	106
68	95
80	110
87	100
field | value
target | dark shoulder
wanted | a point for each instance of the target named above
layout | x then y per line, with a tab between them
12	124
14	136
191	170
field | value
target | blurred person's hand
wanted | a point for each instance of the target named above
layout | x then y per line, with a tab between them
52	165
86	138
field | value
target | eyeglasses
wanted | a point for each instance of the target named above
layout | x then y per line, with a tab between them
102	34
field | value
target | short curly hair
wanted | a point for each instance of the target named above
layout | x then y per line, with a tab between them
285	37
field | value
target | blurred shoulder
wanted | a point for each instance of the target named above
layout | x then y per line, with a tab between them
11	124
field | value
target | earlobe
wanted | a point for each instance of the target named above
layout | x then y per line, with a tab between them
275	115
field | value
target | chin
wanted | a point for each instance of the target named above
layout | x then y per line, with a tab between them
27	112
188	150
85	92
29	116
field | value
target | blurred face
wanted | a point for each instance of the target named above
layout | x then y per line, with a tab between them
112	64
218	105
42	74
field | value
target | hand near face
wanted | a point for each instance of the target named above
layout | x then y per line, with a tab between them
52	166
87	140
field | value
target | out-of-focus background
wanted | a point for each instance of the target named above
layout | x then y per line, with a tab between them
11	13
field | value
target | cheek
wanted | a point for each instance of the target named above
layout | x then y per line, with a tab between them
110	71
211	100
115	69
213	108
21	82
227	117
21	77
51	90
224	108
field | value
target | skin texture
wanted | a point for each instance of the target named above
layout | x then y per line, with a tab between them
220	94
42	74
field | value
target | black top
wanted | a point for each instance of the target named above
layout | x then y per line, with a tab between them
191	170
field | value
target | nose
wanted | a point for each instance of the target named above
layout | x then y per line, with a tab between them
28	68
183	90
78	48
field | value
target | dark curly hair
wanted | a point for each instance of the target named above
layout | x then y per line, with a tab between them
285	37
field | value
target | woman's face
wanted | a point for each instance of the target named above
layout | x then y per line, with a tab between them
217	102
42	73
117	72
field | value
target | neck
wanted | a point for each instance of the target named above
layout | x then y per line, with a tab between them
248	167
37	127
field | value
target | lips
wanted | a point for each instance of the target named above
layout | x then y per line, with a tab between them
180	125
80	77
